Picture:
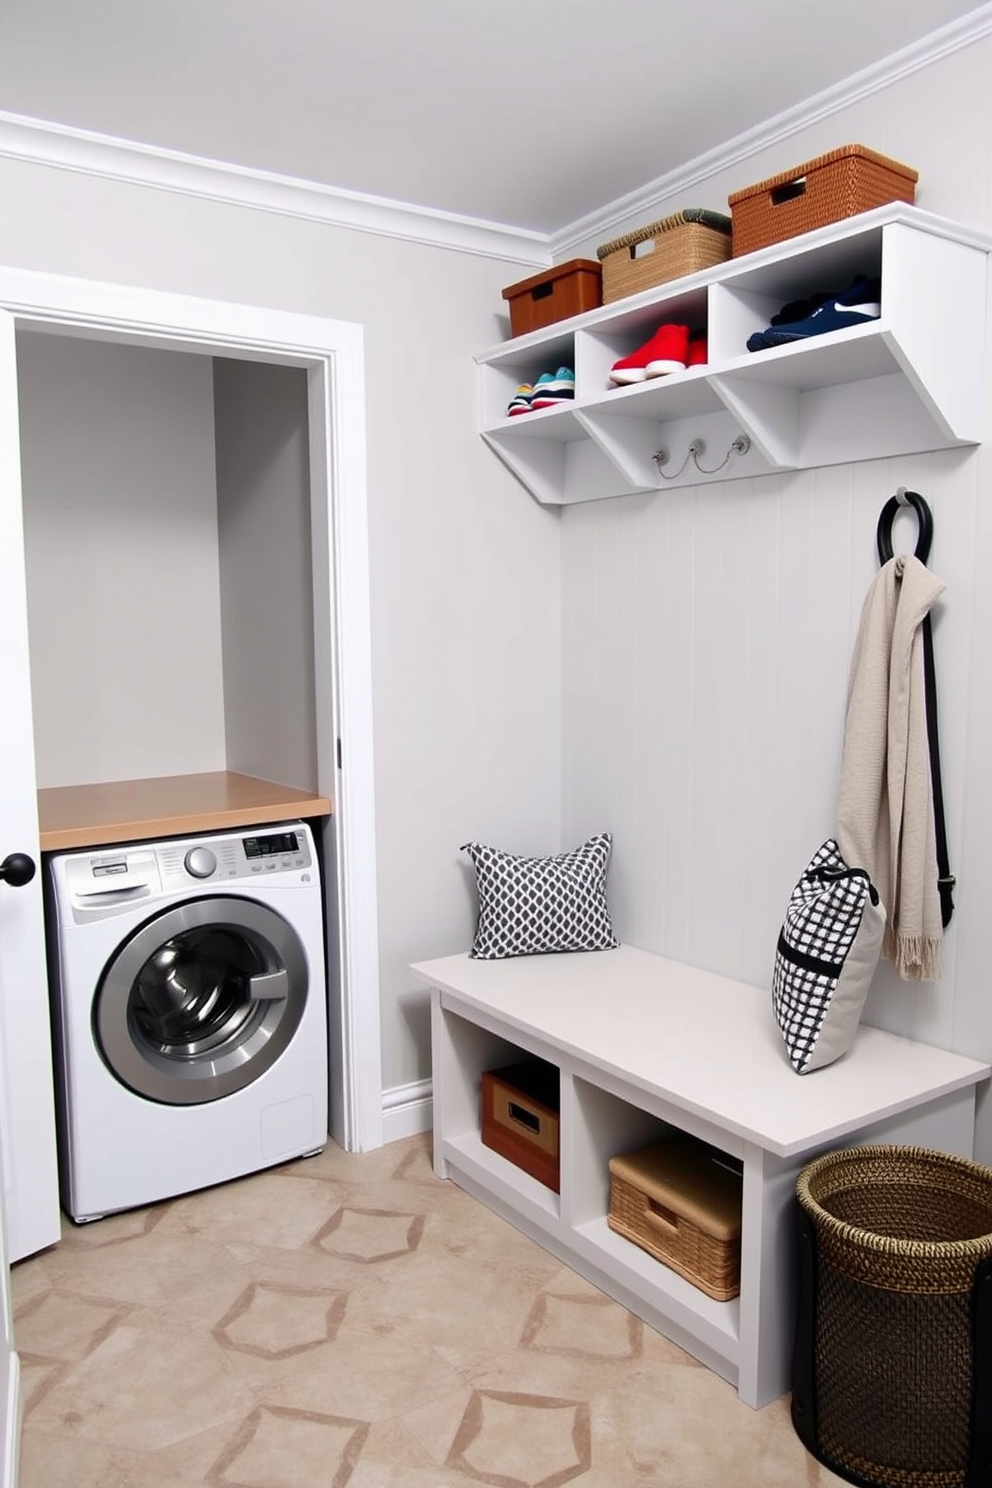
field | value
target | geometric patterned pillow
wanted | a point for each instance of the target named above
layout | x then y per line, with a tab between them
529	906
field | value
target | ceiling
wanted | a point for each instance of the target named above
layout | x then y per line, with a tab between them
527	113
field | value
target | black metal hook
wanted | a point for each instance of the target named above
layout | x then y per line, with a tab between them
924	517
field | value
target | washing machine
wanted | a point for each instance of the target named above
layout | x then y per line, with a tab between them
189	1010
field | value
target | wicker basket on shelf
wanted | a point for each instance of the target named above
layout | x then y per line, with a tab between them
681	244
827	189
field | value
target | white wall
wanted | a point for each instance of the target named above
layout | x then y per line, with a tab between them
709	634
121	539
464	565
266	584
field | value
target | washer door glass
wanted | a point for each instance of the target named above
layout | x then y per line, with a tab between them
201	1000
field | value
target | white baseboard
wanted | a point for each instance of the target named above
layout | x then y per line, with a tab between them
407	1110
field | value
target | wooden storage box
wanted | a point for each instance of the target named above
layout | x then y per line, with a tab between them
565	290
681	244
520	1106
681	1202
841	184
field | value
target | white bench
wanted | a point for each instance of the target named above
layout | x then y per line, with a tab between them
645	1044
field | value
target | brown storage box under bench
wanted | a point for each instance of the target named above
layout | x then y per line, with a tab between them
520	1106
827	189
681	1202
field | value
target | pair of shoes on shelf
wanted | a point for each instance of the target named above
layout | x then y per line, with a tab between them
550	389
670	349
790	314
800	319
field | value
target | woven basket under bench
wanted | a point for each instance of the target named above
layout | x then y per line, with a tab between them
681	244
681	1202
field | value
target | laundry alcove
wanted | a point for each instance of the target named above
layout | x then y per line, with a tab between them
182	512
169	564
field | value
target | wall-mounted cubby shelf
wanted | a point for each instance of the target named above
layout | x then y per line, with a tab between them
905	383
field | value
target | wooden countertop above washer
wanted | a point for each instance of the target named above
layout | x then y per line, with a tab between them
135	810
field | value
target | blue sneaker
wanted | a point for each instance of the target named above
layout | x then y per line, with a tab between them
552	388
856	306
790	313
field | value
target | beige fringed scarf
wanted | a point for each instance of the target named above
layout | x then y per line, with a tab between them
885	807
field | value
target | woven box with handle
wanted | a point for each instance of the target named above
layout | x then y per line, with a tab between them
841	184
684	243
681	1202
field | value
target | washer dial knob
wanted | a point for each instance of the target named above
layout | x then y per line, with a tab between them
200	862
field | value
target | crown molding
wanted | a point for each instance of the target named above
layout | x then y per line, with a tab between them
647	202
39	142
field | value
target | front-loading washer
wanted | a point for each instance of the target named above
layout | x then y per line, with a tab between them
189	1011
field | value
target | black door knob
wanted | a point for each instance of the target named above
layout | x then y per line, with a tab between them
17	869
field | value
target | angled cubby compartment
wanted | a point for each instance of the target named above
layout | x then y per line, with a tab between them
829	405
906	382
647	431
755	288
522	360
553	452
899	384
628	327
934	294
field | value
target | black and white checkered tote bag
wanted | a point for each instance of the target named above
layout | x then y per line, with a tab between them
828	949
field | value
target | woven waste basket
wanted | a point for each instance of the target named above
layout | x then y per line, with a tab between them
892	1372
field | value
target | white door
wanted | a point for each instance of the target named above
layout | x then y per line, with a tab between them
10	1376
27	1144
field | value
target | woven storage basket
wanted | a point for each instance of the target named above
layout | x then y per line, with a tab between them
846	181
678	1202
892	1377
682	244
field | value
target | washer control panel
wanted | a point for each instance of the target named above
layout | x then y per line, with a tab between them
116	877
260	853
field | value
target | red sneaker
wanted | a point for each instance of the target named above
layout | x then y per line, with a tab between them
698	355
665	352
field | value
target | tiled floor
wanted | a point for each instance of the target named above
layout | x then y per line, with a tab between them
350	1319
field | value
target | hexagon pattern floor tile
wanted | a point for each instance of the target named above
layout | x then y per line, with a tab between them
351	1321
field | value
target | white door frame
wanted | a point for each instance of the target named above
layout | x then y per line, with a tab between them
333	353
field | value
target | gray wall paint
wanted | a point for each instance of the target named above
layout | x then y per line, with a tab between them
710	635
683	732
465	568
122	563
266	588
